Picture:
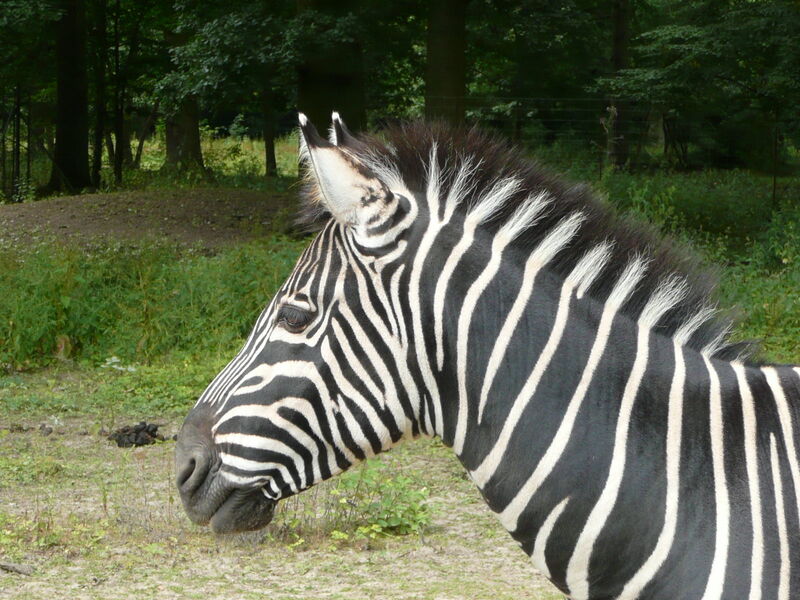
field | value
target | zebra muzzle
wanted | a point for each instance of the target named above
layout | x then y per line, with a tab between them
208	497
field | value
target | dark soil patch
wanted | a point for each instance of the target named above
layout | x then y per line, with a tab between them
209	217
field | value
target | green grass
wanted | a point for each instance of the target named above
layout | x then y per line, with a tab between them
137	303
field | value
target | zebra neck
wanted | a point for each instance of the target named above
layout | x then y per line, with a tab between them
616	456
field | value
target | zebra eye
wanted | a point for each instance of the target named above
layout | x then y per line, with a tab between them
293	319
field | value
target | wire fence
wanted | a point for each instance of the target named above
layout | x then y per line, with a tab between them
602	130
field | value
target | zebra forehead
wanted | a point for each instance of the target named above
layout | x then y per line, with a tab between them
486	179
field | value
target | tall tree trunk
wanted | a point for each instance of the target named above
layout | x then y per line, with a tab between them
71	153
3	126
445	73
619	131
183	137
119	101
182	126
16	143
109	147
100	91
332	78
28	140
268	112
143	134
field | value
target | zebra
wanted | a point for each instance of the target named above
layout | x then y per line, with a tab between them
574	360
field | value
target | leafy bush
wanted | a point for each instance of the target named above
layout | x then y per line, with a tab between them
134	302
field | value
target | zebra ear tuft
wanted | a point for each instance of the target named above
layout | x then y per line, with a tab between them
340	135
346	187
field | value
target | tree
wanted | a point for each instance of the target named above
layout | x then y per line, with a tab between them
71	154
618	129
723	77
330	69
445	73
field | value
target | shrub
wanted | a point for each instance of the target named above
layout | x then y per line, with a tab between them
134	302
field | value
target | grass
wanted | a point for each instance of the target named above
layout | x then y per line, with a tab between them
136	303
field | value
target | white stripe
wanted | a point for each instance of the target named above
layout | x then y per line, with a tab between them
265	373
659	554
582	276
398	355
785	416
540	545
244	464
543	254
577	578
270	413
467	236
489	205
751	464
780	514
271	445
716	578
509	517
483	211
350	392
526	215
394	289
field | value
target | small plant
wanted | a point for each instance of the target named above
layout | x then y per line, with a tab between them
365	503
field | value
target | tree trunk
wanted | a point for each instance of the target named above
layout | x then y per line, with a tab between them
16	143
28	140
445	73
619	131
332	78
71	154
143	134
268	112
110	147
119	99
3	189
183	137
100	92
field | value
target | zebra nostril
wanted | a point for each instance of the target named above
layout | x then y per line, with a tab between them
194	454
186	472
192	469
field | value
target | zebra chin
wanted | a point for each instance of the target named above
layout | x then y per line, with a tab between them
229	510
243	510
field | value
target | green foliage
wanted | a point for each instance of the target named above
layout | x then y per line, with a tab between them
723	76
43	533
365	503
15	470
133	302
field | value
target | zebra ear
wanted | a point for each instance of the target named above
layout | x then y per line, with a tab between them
350	190
339	134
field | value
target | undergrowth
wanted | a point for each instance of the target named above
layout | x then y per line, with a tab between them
363	504
137	303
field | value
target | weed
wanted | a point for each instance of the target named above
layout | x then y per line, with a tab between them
42	532
364	503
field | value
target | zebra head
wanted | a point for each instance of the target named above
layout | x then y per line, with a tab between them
321	382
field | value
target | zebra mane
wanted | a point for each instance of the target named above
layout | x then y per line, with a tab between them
484	175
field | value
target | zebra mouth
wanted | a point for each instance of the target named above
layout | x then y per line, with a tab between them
243	510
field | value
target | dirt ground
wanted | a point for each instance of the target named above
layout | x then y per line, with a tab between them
212	217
